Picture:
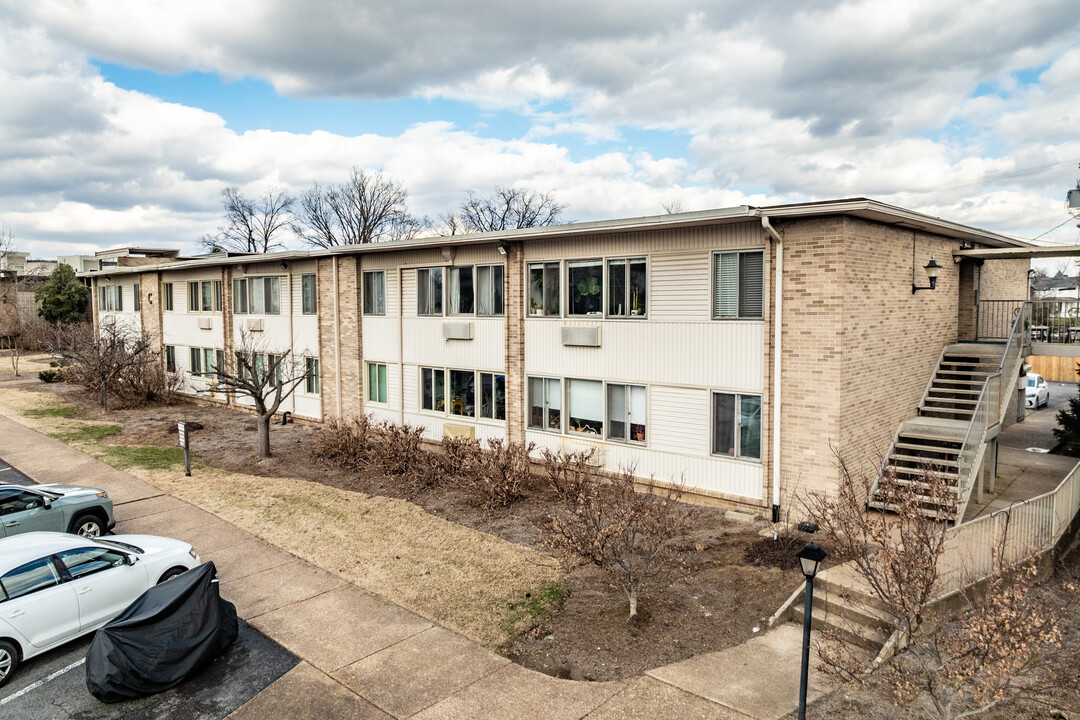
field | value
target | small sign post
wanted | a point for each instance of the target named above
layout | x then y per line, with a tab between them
185	443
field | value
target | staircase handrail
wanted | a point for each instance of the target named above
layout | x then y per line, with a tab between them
1014	344
967	457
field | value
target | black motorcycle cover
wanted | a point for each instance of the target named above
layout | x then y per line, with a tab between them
170	632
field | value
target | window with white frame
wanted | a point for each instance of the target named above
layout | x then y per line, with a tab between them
736	428
463	393
626	412
738	284
375	292
311	369
461	296
167	291
204	296
489	290
429	291
492	396
544	294
204	362
433	389
137	302
377	383
585	286
111	298
545	404
170	358
257	295
627	287
308	303
585	406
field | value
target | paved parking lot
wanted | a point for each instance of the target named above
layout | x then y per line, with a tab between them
53	685
11	476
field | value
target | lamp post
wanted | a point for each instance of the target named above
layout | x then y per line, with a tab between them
810	558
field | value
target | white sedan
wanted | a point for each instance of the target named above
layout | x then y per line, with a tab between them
55	587
1037	392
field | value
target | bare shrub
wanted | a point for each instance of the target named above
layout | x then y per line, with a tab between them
397	450
626	533
496	476
345	442
569	473
98	358
147	383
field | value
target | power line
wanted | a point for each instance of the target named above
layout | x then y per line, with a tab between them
991	178
1068	219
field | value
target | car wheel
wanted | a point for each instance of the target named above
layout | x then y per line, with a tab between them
171	573
9	660
88	525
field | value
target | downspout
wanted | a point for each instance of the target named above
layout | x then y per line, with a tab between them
778	306
337	338
400	344
292	339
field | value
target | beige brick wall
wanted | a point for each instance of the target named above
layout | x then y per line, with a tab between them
515	342
1004	280
150	304
966	312
340	357
859	346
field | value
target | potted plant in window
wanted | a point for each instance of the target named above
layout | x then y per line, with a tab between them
585	290
635	307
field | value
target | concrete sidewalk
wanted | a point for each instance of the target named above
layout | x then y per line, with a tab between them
365	657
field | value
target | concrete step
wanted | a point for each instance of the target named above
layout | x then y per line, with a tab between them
929	512
985	349
922	460
939	390
955	401
925	450
851	607
859	635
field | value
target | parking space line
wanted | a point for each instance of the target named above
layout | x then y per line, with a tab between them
39	683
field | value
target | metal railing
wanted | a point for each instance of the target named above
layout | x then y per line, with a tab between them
1055	321
985	415
974	550
1012	357
994	319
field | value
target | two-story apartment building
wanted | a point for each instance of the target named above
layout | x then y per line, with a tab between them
733	348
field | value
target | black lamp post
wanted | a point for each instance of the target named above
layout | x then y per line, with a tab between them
810	558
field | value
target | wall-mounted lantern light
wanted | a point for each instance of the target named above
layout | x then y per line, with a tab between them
932	270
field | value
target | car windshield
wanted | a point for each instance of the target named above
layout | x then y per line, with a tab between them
121	545
1031	381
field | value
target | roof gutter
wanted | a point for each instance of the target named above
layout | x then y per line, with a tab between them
778	336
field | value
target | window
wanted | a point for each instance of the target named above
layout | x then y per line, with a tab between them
463	393
217	296
195	358
170	358
377	382
13	501
138	300
240	298
626	412
111	298
460	290
492	395
544	289
311	382
585	287
585	406
737	425
433	389
87	561
375	292
204	296
545	404
738	284
168	292
29	578
307	294
489	290
627	288
257	295
429	291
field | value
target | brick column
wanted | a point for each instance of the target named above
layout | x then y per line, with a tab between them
228	342
150	304
324	284
515	342
965	321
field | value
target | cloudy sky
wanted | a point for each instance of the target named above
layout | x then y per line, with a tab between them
121	122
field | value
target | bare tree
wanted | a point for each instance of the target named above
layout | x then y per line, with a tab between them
266	377
673	207
251	225
449	225
101	356
10	320
369	207
510	208
610	524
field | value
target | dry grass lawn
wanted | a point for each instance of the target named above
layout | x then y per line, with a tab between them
29	365
466	580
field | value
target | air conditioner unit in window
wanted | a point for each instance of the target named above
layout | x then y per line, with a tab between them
597	459
581	336
457	331
206	323
453	430
255	324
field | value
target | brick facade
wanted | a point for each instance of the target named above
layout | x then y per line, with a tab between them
1004	280
515	342
150	304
